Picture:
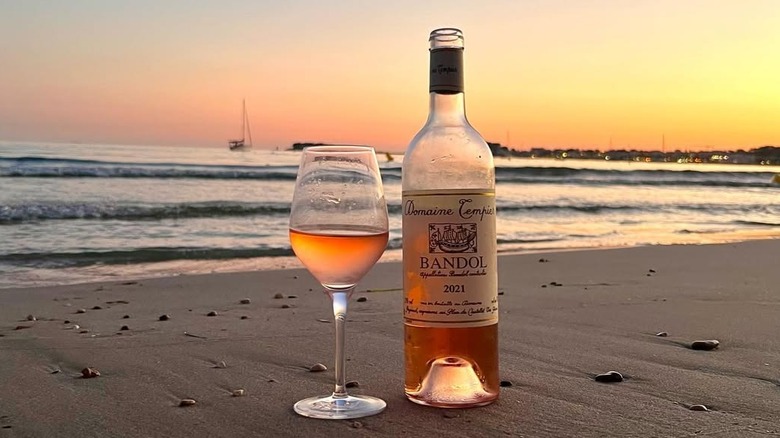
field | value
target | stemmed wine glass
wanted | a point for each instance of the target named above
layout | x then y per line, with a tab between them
338	230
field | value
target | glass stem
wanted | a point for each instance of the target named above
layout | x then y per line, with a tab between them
340	318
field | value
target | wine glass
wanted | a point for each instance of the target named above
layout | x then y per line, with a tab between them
338	230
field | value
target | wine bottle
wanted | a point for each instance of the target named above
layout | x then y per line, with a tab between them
449	247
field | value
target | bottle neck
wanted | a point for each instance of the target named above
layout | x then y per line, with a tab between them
447	109
447	104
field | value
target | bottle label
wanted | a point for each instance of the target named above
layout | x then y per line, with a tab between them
446	71
449	258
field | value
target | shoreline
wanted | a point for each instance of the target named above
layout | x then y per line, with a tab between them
175	268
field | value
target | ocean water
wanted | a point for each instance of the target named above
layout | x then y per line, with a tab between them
76	212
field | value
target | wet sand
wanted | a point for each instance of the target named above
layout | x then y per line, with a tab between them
565	318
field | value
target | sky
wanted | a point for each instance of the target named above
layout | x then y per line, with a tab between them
694	74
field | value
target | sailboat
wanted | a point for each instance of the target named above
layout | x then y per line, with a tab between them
237	145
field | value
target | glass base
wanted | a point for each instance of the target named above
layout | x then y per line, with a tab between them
340	408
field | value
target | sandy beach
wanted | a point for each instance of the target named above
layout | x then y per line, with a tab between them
565	318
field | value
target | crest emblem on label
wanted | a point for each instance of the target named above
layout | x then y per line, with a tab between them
452	238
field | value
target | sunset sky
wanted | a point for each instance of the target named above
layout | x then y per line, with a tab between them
548	73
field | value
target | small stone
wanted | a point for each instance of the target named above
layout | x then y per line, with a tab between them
543	260
505	384
362	299
286	306
501	292
31	318
356	424
81	311
76	327
544	285
96	308
649	275
187	402
707	345
244	317
323	320
126	317
295	277
212	313
278	296
67	321
662	334
451	414
221	364
352	384
83	331
124	327
238	393
317	367
164	317
88	373
246	301
699	408
652	271
292	297
609	377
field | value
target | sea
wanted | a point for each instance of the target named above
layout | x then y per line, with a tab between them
72	213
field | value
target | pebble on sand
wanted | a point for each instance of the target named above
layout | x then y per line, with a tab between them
699	408
96	308
246	301
543	260
244	317
505	383
362	299
352	384
164	317
81	311
126	317
88	373
31	318
187	402
609	377
278	296
212	313
221	364
317	367
286	306
707	345
124	327
662	334
239	393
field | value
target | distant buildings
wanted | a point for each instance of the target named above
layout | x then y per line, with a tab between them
766	155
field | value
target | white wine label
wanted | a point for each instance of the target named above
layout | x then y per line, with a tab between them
446	71
449	257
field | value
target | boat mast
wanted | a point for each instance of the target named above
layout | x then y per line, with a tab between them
246	121
243	119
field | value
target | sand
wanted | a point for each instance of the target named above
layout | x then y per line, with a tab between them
603	316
